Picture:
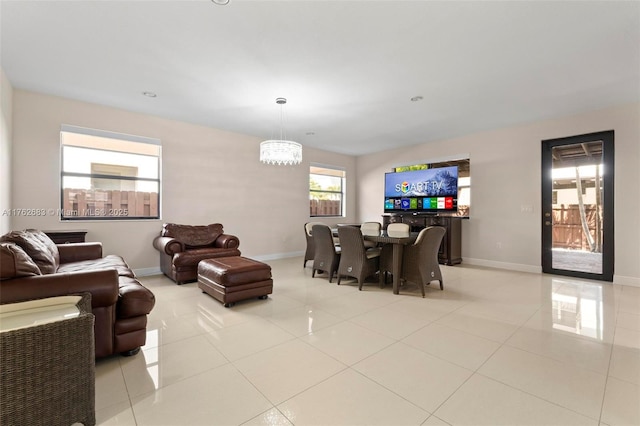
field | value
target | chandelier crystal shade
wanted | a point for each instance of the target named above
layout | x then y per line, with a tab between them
280	151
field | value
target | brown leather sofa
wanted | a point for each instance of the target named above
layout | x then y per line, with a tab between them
181	247
33	267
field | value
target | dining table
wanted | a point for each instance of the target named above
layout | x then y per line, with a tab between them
398	241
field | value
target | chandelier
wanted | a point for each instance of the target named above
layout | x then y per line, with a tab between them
281	151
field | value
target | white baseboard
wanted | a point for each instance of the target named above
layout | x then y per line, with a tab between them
276	256
630	281
617	279
502	265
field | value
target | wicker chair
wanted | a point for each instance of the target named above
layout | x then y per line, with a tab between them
48	371
356	261
327	254
386	256
420	260
309	254
370	228
398	229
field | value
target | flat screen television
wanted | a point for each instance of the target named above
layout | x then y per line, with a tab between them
422	191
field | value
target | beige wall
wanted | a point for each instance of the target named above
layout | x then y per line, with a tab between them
506	176
6	110
209	176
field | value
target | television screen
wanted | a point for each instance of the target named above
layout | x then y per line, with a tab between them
422	191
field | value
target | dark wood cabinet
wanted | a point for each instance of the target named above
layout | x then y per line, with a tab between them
450	252
67	236
415	222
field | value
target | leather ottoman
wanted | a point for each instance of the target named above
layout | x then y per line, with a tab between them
230	279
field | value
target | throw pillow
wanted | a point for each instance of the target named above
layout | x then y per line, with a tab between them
35	248
48	243
14	262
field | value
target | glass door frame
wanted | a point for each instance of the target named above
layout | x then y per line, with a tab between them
607	139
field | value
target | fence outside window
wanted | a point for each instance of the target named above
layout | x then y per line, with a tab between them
326	191
108	176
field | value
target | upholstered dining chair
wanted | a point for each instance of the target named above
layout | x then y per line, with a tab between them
398	229
420	260
326	253
386	256
310	251
370	228
356	261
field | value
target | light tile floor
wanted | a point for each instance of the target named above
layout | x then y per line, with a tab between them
494	348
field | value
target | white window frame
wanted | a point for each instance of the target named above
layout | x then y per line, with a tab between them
95	204
332	171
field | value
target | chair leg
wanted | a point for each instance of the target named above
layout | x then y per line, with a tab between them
339	278
441	285
422	288
313	273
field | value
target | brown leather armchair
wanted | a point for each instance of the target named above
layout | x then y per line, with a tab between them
32	267
181	247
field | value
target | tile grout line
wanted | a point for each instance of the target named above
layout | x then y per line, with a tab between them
613	344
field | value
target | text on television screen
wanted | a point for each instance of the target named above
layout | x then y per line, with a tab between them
439	182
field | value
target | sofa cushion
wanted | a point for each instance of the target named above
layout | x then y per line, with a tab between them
38	246
189	259
15	262
109	261
193	235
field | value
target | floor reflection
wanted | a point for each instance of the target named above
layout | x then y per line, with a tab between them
577	308
566	347
152	357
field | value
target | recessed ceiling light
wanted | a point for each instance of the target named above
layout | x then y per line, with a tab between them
149	94
221	2
416	98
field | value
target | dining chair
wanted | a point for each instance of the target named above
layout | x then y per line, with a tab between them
370	228
386	256
310	251
398	229
356	261
420	260
326	253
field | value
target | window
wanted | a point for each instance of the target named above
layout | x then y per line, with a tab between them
326	191
108	176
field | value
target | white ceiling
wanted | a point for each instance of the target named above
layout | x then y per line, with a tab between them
347	68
